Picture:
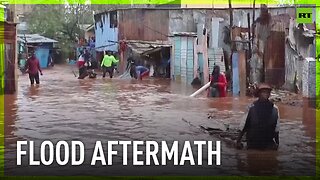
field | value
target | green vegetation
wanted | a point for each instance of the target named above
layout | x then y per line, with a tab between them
60	22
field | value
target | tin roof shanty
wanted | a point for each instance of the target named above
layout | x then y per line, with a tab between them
34	38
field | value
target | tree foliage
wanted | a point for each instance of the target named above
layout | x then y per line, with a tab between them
63	22
59	21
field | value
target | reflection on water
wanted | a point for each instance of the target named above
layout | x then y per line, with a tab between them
65	108
259	163
34	92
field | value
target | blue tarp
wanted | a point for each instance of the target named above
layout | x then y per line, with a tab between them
235	73
42	55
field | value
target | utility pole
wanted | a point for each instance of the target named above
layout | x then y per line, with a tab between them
253	21
231	22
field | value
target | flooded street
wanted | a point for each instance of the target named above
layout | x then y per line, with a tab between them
65	108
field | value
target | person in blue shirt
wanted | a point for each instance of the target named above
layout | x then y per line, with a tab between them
138	72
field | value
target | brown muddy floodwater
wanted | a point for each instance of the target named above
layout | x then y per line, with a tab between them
65	108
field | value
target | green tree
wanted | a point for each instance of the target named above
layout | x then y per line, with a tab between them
60	22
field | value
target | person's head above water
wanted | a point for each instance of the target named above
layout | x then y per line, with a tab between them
32	52
264	91
216	70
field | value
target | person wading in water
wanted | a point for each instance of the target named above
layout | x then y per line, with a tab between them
108	63
262	122
33	68
218	85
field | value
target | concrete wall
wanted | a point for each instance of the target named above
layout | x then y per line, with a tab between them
309	78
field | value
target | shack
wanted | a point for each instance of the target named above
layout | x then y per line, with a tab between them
137	33
43	45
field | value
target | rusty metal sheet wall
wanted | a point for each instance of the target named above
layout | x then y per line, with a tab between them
9	47
242	73
282	22
274	59
8	32
144	24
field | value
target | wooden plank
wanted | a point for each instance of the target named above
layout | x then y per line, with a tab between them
274	59
190	60
184	46
242	73
177	57
235	74
200	67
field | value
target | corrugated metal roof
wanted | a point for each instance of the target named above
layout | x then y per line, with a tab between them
216	7
309	33
34	38
184	34
85	26
142	47
89	28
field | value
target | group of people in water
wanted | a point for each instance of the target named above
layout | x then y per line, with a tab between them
108	65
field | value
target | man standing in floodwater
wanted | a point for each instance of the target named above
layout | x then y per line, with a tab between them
218	83
262	122
108	63
33	68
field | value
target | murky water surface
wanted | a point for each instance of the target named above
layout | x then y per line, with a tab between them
65	108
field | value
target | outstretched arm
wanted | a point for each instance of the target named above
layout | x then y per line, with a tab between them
103	61
277	129
277	138
38	64
245	129
114	60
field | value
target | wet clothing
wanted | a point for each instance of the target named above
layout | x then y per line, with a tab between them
83	72
220	89
262	125
33	67
82	68
80	62
109	70
86	57
109	61
108	64
34	77
142	71
92	74
94	64
133	72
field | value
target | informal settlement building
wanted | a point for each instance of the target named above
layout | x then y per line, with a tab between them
8	74
198	39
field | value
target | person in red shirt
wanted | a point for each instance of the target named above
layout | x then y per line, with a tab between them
218	83
33	68
82	67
